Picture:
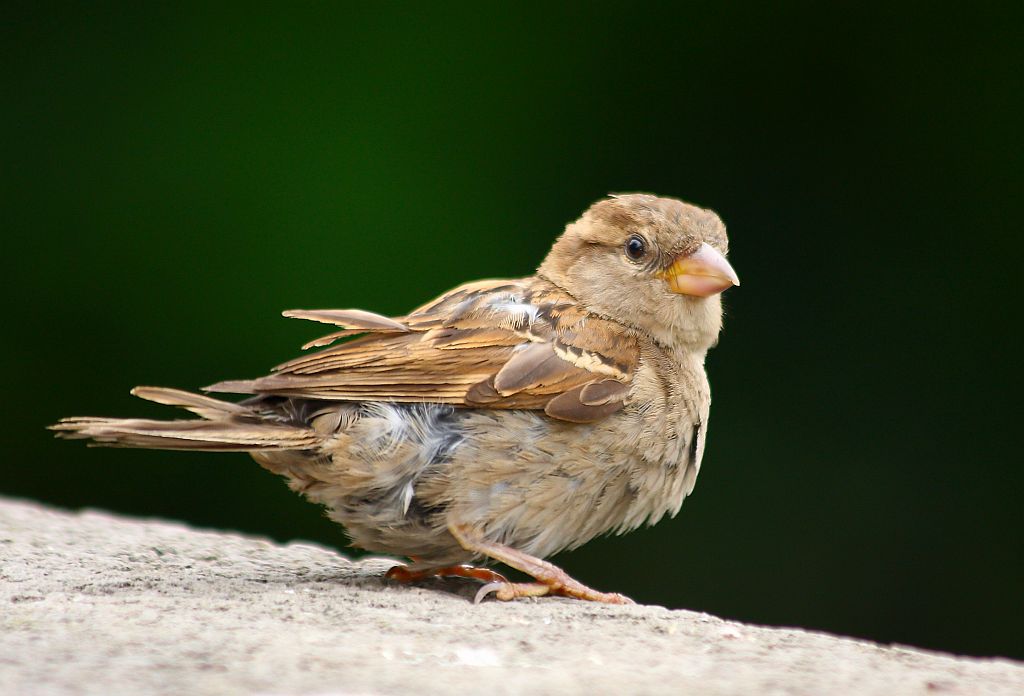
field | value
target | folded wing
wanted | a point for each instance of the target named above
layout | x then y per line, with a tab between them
497	344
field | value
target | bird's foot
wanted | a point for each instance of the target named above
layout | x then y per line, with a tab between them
402	573
507	591
550	578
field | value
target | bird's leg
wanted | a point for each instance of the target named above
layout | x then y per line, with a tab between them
550	578
402	573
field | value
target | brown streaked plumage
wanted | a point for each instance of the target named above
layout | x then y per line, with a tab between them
507	419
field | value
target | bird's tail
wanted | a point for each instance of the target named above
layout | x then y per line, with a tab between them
222	427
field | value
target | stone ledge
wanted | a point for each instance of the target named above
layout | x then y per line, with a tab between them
91	603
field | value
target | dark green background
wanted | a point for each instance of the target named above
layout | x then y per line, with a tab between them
173	177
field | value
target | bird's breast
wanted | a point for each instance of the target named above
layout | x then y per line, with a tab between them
544	485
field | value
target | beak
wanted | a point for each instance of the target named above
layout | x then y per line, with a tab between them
703	273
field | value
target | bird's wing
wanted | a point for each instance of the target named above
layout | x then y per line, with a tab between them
495	344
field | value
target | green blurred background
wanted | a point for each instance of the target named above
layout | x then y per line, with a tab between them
174	176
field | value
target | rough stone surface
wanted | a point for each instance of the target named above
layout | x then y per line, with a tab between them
95	604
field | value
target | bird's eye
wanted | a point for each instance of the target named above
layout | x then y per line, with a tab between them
636	247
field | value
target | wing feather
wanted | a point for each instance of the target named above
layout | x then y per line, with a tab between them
520	344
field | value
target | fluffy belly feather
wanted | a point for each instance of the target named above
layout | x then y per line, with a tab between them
397	475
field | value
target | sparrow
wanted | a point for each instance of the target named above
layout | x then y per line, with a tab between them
506	420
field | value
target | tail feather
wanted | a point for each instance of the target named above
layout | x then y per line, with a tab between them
226	427
204	406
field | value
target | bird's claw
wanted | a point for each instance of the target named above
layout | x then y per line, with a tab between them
488	589
507	591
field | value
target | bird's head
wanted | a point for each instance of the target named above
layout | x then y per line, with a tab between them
656	264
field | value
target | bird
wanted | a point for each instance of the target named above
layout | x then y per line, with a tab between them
506	420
